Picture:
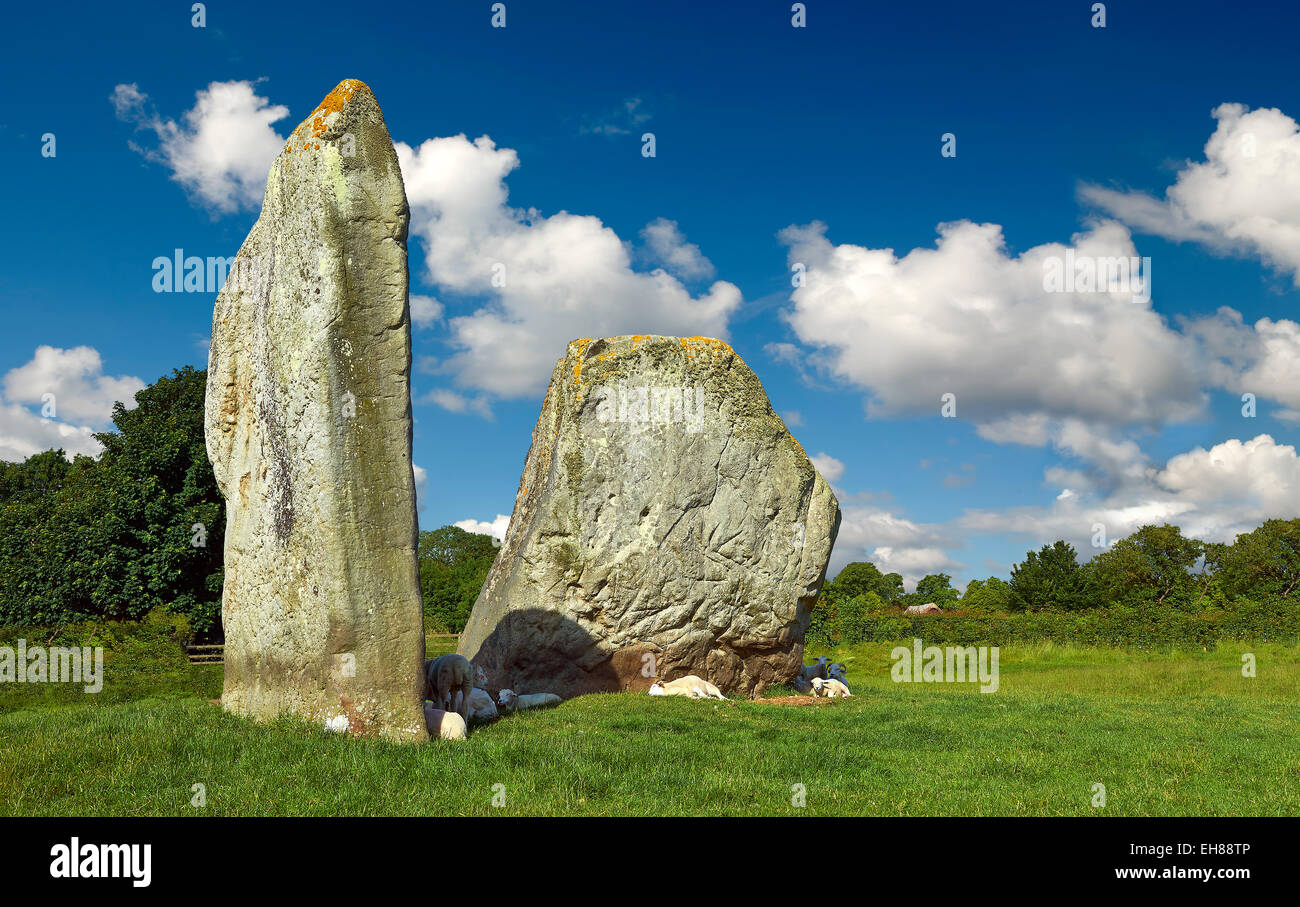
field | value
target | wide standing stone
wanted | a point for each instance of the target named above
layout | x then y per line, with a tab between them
309	432
666	522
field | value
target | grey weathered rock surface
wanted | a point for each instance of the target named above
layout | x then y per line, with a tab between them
308	429
697	532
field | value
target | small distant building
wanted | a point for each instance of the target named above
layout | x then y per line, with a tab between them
927	608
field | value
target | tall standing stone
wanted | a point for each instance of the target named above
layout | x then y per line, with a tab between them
666	523
308	428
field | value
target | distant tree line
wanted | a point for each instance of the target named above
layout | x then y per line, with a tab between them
1156	569
141	528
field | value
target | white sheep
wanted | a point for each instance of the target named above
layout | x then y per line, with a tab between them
480	678
444	724
512	701
690	685
831	689
444	677
481	706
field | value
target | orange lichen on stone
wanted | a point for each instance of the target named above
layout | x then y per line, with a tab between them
713	345
576	349
317	121
714	340
341	94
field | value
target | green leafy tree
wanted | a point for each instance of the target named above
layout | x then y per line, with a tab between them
937	588
58	544
1263	562
861	577
116	537
1152	566
155	467
39	475
990	596
852	615
1048	580
453	566
1209	581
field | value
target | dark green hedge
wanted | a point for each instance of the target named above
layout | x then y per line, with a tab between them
142	659
1272	620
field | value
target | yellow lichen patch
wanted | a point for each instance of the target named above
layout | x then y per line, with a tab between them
712	344
712	340
341	94
317	121
576	349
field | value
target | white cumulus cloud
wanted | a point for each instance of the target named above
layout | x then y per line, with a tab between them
892	542
970	319
830	468
421	486
222	148
59	399
667	246
496	528
425	311
545	279
1261	359
82	392
1212	494
1244	197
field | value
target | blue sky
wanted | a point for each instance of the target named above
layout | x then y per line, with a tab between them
1072	409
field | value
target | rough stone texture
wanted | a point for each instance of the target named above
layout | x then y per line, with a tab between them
698	533
308	429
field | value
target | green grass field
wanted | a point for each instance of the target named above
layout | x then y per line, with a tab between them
1167	734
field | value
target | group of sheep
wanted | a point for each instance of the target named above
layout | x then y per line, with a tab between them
821	679
456	691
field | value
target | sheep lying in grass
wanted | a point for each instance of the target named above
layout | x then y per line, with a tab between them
444	724
690	685
445	677
481	706
815	670
512	701
837	672
831	689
